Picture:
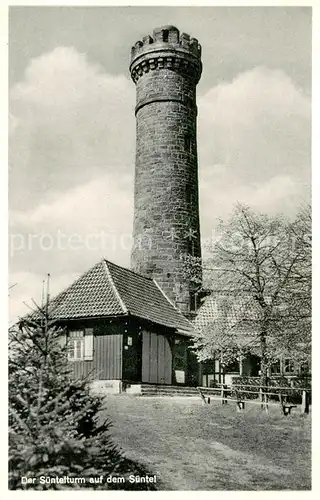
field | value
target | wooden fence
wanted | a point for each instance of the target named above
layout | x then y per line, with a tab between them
236	393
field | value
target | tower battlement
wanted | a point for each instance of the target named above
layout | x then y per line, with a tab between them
168	48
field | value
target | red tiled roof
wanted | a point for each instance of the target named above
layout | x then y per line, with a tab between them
110	290
235	313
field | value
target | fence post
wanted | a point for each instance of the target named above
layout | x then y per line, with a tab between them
223	395
266	401
261	397
305	402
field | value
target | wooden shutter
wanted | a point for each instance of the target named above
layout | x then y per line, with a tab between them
88	344
62	339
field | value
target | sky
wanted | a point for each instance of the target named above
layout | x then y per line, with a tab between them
72	128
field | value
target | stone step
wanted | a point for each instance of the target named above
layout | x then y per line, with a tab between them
167	390
164	393
189	393
171	390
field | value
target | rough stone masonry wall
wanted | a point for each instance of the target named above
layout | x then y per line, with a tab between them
166	205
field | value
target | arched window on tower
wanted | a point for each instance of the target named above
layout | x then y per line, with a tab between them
165	35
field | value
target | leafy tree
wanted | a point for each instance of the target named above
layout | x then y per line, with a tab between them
55	423
296	315
262	265
231	334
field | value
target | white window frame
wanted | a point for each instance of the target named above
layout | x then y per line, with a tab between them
74	338
288	366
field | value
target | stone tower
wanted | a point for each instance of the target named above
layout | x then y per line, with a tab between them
166	69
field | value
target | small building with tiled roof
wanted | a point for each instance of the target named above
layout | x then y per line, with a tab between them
236	316
122	329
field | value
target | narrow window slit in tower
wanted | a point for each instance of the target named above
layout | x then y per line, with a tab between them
188	143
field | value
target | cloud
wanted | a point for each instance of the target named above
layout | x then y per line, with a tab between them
92	205
280	194
71	121
28	286
258	124
254	145
77	229
255	93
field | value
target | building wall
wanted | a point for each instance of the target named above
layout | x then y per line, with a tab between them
107	350
166	205
134	350
212	371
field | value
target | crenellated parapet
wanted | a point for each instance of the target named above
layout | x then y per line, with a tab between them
167	48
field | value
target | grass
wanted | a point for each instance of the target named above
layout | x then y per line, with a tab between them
190	446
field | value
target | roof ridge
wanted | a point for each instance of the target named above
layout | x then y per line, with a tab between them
173	305
129	270
114	288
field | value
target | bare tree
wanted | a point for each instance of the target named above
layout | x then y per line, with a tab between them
263	264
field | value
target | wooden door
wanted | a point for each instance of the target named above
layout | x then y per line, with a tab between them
156	359
131	357
180	361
